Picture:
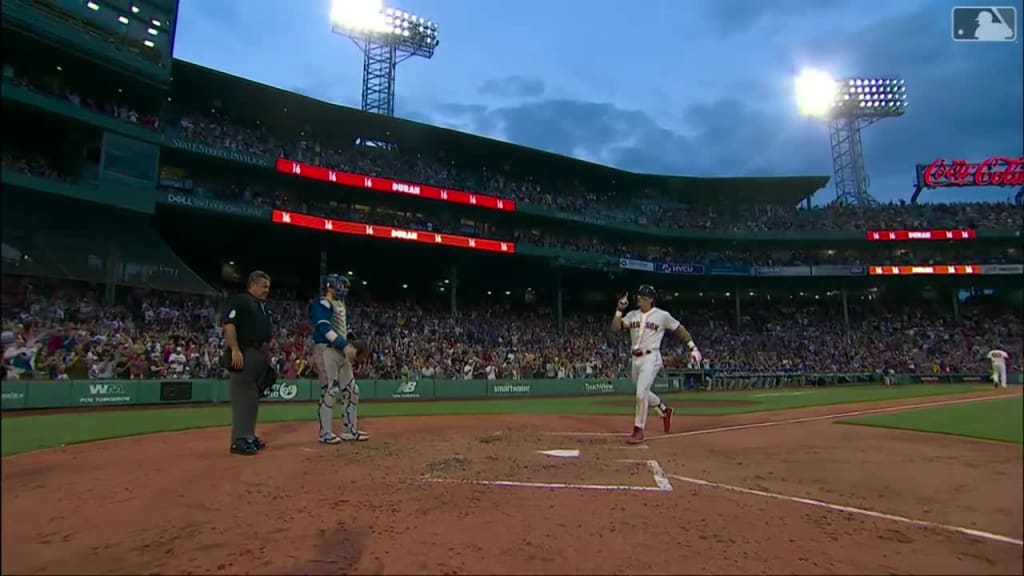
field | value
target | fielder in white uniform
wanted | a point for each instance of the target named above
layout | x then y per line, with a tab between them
647	326
998	359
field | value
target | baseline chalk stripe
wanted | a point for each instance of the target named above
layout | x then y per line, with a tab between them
560	453
784	422
852	510
661	482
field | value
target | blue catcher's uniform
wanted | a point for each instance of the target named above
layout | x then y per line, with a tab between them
329	318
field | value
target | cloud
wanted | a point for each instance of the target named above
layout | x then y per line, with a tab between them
735	16
965	99
965	102
518	87
730	140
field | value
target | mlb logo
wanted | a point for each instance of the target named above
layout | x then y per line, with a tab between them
984	24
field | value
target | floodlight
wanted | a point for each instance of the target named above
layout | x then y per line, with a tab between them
850	104
871	97
386	36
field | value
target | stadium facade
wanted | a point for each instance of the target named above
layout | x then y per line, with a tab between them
124	194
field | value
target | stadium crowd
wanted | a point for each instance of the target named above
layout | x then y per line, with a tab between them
216	128
555	237
55	330
574	198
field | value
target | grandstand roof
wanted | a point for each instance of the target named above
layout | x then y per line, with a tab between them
196	86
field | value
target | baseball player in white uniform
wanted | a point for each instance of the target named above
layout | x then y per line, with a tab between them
647	326
998	359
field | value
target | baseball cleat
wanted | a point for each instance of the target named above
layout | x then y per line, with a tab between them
359	436
637	437
330	438
259	443
243	447
666	420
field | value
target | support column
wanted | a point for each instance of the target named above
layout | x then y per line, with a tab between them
558	301
453	282
738	311
956	305
113	275
846	310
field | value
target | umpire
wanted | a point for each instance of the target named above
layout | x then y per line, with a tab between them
247	330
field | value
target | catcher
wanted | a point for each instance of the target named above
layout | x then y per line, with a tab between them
335	349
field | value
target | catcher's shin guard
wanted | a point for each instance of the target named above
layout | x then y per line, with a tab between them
350	408
328	398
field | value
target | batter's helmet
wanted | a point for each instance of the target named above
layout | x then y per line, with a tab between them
648	291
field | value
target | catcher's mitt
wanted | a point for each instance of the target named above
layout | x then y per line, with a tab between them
362	349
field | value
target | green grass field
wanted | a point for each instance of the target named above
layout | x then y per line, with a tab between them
1001	420
23	433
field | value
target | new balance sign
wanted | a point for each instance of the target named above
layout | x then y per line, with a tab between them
406	390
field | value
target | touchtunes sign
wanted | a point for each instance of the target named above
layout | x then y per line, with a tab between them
995	171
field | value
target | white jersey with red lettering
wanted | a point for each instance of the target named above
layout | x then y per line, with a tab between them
646	331
998	359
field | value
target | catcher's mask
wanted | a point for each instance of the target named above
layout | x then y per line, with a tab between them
336	284
646	291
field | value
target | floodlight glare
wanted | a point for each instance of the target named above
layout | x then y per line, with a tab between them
361	19
816	93
850	104
359	15
386	36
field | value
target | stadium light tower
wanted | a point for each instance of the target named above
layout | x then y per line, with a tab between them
386	37
850	105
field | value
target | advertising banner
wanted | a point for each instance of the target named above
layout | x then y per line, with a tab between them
224	153
782	271
13	395
381	184
677	268
1002	269
995	171
388	232
405	390
731	270
631	264
222	206
900	235
838	271
933	270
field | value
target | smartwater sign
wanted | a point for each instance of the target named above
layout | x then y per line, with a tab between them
510	389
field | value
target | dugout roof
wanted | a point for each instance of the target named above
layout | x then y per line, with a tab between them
285	113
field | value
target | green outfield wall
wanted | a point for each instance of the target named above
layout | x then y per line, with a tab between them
36	394
29	394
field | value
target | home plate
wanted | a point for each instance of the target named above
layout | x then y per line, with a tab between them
560	453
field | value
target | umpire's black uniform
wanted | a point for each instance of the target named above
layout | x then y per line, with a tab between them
247	326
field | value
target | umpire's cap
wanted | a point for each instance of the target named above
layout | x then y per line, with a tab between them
647	290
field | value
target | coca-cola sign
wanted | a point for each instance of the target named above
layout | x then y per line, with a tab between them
996	171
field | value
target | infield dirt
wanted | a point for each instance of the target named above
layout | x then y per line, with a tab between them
178	502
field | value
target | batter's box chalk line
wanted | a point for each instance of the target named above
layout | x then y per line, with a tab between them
661	482
852	510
